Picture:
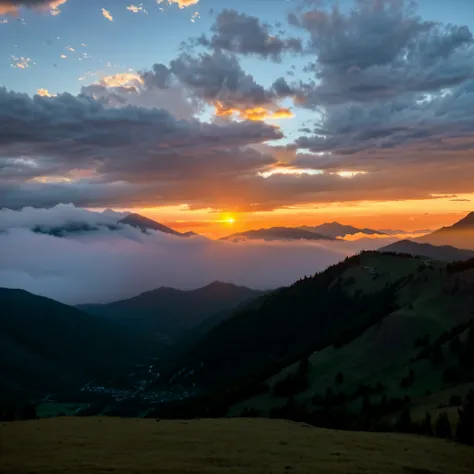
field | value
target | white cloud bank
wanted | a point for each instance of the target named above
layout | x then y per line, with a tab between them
106	265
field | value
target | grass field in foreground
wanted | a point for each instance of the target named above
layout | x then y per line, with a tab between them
114	445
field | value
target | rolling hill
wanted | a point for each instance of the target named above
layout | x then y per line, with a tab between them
170	312
460	234
114	445
377	325
277	233
46	346
444	253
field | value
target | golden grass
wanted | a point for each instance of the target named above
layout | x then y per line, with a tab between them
114	445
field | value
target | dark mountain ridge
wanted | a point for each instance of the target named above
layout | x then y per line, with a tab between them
444	253
170	311
277	233
46	346
335	229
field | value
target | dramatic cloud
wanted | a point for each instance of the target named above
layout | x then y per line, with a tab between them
244	34
48	137
395	95
105	265
147	91
13	6
381	50
218	79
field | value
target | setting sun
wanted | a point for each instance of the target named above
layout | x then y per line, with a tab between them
230	220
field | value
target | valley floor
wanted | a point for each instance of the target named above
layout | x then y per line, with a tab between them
115	445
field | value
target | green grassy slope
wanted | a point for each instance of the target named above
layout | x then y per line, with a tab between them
286	324
113	445
386	352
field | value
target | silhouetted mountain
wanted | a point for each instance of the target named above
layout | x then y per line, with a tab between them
445	253
144	224
277	233
334	229
169	311
284	324
460	234
46	346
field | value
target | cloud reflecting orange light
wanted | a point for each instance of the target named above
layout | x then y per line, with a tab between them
181	3
44	93
124	79
253	113
11	8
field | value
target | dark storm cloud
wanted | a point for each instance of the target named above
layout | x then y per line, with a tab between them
381	50
219	76
68	133
247	35
215	78
446	120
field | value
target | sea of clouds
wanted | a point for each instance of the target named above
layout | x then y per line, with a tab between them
114	262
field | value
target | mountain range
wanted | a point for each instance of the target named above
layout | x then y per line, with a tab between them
46	346
378	329
170	312
335	229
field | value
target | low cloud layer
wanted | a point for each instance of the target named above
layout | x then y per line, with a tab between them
105	265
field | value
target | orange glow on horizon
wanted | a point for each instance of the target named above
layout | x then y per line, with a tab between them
408	216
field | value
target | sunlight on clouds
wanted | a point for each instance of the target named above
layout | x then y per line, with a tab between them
137	8
289	171
124	79
254	114
181	3
51	179
12	8
349	174
106	14
19	62
44	93
54	7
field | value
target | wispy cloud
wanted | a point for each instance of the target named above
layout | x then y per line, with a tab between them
181	3
20	62
137	9
107	15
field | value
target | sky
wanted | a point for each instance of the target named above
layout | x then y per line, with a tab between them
198	113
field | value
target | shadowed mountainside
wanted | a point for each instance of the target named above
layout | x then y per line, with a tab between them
169	311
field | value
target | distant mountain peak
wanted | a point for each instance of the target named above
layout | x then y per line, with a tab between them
144	224
467	221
